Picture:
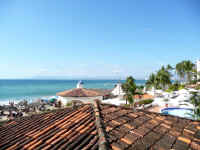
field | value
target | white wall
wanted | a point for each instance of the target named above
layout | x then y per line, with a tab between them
79	85
65	100
118	90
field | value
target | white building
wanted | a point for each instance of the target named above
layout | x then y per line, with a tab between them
118	91
198	68
79	84
81	94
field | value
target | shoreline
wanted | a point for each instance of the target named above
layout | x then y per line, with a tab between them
17	100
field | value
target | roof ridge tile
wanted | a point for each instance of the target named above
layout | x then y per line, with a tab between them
102	139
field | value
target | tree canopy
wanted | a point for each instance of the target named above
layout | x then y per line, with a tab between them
185	70
161	79
129	87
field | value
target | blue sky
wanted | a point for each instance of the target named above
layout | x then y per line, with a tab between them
96	39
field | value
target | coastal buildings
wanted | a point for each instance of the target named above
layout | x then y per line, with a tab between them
100	126
82	94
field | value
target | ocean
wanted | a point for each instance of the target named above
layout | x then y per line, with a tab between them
16	90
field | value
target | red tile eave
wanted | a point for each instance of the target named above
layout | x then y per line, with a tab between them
52	130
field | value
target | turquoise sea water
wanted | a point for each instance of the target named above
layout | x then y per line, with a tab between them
33	89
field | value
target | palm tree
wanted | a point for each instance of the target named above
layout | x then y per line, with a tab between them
152	81
129	87
180	70
185	69
164	77
161	79
188	67
169	67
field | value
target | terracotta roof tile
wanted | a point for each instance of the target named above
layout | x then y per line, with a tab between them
83	92
147	130
62	128
117	128
116	146
144	96
195	145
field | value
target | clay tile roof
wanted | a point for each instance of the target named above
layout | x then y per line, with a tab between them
82	92
128	129
144	96
66	128
100	126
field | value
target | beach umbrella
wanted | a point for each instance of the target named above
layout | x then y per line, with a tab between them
52	100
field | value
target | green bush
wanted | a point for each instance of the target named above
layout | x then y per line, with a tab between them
140	87
69	104
198	87
181	87
193	82
166	100
175	87
146	101
169	90
126	105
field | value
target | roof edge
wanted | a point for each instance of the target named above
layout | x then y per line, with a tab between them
98	122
